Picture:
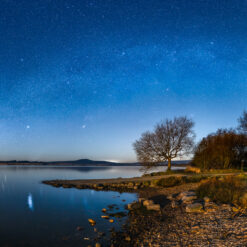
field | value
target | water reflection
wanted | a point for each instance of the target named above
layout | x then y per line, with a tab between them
30	202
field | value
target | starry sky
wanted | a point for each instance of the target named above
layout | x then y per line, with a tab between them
84	78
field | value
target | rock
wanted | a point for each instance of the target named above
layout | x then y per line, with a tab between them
186	193
97	245
194	208
127	238
130	185
92	222
174	204
104	216
154	207
188	198
170	197
147	202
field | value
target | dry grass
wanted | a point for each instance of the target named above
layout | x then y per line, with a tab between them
230	189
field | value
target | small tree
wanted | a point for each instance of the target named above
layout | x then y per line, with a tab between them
170	139
243	122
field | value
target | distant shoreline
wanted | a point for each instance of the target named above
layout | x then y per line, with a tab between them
84	163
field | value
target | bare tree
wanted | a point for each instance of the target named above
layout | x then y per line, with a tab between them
170	139
243	122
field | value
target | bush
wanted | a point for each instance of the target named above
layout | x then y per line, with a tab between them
169	181
223	190
173	181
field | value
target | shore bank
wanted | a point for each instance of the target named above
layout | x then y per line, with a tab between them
181	219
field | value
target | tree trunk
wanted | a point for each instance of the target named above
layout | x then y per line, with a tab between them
169	165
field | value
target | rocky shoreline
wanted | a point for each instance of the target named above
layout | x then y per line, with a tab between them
184	220
171	216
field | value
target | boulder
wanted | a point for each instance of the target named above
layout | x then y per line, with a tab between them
186	193
194	208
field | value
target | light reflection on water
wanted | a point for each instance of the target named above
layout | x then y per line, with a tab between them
34	214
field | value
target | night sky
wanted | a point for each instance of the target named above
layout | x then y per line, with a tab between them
84	79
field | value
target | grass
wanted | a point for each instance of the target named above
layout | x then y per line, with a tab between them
225	171
230	189
169	172
174	181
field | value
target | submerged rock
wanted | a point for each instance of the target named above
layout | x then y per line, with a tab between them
104	216
92	222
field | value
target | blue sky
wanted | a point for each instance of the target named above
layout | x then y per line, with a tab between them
84	79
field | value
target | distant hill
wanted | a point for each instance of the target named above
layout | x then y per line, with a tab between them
83	162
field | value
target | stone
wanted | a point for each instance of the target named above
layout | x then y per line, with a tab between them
194	208
104	216
174	204
154	207
170	197
147	202
92	222
127	238
186	193
188	198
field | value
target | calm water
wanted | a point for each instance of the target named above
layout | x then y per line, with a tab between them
34	214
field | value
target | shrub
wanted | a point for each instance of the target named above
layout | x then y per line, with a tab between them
173	181
169	181
223	190
222	150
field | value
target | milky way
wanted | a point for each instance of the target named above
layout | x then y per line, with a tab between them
83	79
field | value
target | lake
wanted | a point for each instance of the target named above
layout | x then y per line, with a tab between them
35	214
